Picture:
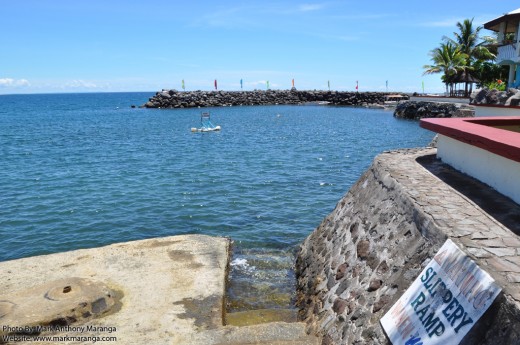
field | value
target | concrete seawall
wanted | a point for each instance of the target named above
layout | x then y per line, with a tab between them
192	99
368	251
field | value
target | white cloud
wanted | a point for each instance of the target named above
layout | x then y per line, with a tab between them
79	83
310	7
251	16
10	82
346	38
363	16
261	84
445	23
452	22
255	83
228	18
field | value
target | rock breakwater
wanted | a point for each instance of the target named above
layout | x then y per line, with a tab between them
416	110
192	99
511	97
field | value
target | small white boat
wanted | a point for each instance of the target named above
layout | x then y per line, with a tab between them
206	125
202	129
393	100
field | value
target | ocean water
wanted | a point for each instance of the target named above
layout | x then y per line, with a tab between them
86	170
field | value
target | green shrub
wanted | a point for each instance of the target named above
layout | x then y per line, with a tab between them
498	84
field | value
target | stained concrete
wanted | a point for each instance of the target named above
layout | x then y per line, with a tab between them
254	317
274	333
53	304
164	290
159	291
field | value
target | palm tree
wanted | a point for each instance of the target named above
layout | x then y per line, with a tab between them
469	43
448	59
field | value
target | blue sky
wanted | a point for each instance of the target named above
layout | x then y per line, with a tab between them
115	45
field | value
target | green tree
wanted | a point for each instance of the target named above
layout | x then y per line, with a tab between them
449	60
469	43
488	72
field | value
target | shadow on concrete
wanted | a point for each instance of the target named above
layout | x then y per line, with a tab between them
498	206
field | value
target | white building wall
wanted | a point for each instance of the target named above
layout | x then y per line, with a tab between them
498	172
496	111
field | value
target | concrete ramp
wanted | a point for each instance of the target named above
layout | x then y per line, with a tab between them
159	291
274	333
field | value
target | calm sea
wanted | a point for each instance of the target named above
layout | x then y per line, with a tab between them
86	170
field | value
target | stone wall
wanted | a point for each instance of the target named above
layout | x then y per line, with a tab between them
190	99
382	233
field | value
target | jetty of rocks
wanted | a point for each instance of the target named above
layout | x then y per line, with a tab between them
192	99
511	97
415	110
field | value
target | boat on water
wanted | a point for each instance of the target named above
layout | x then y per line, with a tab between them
393	100
205	124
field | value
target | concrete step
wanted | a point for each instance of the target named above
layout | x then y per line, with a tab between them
255	317
273	333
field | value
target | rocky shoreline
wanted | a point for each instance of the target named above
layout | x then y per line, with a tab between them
192	99
415	110
511	97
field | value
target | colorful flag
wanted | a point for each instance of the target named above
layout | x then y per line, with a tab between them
267	84
293	83
215	84
183	84
357	85
328	82
241	85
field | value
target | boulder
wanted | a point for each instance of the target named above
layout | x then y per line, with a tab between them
478	96
493	96
417	110
513	100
